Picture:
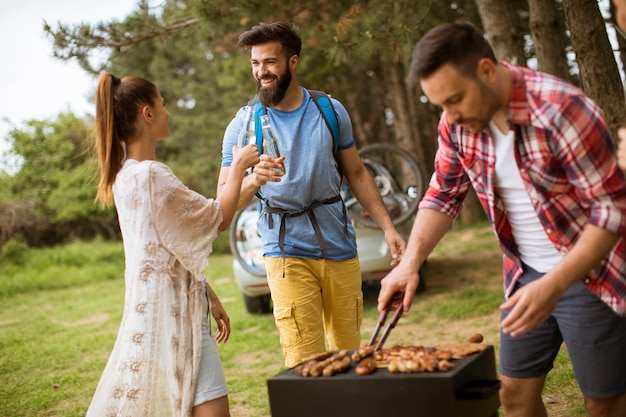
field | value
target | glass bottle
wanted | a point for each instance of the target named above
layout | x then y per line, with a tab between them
246	135
271	146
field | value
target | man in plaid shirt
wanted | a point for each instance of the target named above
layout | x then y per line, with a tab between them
542	162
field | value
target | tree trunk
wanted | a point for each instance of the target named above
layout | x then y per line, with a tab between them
548	38
407	135
367	115
621	41
501	25
598	70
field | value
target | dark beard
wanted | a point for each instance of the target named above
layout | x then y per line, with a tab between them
274	94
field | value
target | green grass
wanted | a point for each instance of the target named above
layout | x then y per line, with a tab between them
77	263
60	309
467	303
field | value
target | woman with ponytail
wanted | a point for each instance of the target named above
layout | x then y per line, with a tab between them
164	361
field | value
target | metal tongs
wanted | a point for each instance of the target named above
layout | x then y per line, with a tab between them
395	302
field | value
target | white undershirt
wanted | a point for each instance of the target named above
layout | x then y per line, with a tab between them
535	248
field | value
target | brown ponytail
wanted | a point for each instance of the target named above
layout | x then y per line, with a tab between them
118	103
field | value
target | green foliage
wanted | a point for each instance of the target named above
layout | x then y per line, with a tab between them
14	251
52	194
48	149
73	198
77	263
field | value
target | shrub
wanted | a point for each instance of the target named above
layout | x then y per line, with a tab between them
15	250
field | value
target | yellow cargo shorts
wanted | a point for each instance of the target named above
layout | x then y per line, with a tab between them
318	305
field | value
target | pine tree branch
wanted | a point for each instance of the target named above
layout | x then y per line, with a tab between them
81	41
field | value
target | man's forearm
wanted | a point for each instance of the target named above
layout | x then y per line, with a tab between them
593	245
248	190
367	194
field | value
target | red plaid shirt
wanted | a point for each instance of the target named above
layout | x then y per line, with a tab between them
567	162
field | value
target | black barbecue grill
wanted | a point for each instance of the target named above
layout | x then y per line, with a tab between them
468	389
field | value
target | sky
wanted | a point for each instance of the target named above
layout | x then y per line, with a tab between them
35	85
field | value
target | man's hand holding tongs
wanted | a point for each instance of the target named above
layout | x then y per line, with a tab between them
396	305
403	279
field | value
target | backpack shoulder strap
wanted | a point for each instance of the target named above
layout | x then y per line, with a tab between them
325	106
259	110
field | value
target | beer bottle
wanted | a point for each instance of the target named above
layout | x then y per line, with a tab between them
246	135
271	146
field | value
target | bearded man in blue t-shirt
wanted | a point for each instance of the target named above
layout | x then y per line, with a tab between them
309	243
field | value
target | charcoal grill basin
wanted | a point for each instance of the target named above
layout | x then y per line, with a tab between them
469	389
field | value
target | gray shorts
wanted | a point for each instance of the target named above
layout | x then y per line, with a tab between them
594	335
211	382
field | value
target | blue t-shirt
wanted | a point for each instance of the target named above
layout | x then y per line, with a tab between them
311	175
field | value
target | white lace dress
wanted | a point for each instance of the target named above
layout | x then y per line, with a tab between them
168	232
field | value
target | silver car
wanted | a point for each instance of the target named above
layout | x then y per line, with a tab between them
399	181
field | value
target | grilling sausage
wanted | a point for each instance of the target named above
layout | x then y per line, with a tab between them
477	338
366	366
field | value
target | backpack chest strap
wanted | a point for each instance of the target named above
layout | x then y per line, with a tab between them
310	214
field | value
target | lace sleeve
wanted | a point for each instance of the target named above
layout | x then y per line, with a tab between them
186	221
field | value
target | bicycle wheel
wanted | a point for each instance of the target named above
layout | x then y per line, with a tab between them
245	241
399	181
